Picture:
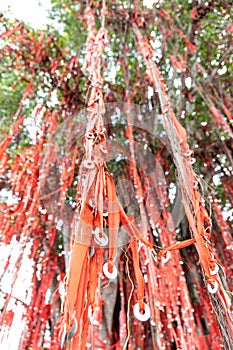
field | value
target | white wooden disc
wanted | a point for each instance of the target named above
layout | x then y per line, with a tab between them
111	275
215	270
212	290
141	317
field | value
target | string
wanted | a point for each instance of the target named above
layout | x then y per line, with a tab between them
129	300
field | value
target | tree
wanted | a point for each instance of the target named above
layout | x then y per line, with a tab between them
116	169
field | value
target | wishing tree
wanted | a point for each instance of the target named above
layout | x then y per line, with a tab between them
116	177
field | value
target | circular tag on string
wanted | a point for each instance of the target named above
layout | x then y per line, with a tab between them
132	153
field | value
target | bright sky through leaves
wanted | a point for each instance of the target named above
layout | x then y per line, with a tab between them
35	12
31	11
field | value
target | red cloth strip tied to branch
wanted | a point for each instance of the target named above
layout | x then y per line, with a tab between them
99	209
196	213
